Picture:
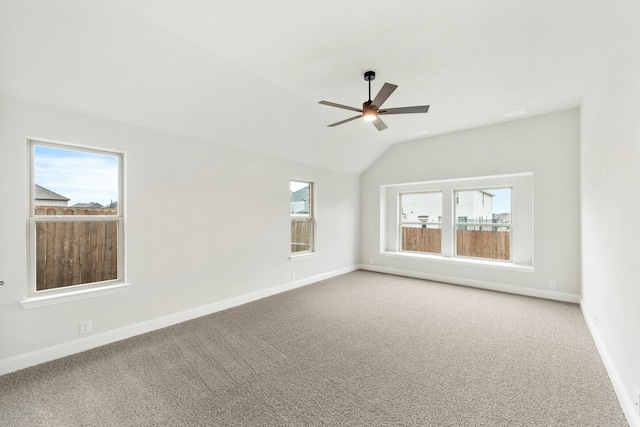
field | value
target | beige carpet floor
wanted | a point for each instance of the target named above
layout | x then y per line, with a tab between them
362	349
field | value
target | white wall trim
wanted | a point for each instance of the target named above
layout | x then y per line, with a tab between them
475	262
625	400
73	294
21	361
500	287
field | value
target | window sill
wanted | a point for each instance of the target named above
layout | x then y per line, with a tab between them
73	295
500	265
302	256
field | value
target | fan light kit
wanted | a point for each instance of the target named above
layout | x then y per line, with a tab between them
371	110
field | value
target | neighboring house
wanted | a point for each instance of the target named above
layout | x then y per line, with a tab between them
474	206
300	201
421	207
90	205
46	197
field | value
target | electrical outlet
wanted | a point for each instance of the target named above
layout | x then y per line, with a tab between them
85	327
371	261
293	275
552	284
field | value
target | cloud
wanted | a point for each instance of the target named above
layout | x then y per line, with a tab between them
82	177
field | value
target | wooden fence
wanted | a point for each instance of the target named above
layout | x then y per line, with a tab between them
300	234
421	239
483	244
75	252
471	243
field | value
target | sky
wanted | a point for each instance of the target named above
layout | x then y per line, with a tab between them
297	185
501	200
81	176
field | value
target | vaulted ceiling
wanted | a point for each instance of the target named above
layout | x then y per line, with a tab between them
249	73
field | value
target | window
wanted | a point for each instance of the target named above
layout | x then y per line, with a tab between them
301	202
466	220
486	215
421	222
76	218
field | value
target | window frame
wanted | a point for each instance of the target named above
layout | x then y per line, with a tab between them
423	224
36	297
457	222
310	215
522	208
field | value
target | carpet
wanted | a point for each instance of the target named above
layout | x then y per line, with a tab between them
361	349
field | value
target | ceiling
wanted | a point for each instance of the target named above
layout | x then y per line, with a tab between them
249	73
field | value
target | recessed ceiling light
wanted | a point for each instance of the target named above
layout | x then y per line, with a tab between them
514	113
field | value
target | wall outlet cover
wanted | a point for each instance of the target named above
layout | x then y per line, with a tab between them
85	327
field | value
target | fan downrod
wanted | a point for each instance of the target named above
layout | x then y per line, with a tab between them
368	76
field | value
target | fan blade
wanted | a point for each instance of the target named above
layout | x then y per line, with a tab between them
346	107
384	93
379	124
405	110
344	121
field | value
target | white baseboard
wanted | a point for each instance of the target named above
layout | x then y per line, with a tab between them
21	361
501	287
625	400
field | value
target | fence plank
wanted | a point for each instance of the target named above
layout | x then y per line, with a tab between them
100	251
111	250
75	253
41	255
67	261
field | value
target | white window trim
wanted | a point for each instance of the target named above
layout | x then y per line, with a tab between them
74	294
476	262
302	255
401	222
457	223
82	291
312	216
521	232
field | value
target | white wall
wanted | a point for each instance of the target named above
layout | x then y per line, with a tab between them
610	197
546	146
187	246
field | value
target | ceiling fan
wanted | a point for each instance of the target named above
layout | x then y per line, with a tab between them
371	109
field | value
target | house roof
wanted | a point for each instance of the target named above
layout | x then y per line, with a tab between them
43	193
196	68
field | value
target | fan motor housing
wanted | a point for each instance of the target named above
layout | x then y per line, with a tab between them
367	106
